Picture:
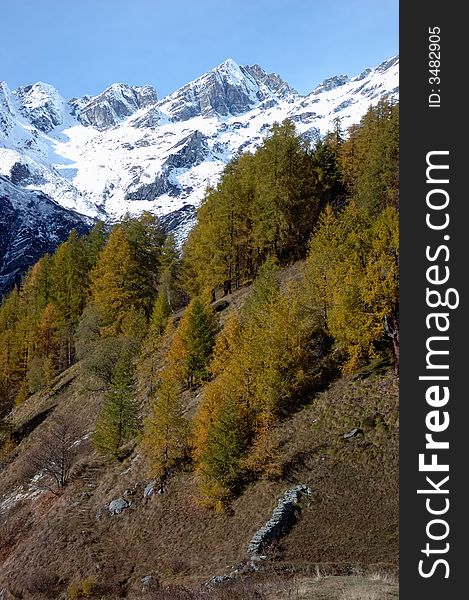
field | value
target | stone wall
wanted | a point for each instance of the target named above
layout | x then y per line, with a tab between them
282	520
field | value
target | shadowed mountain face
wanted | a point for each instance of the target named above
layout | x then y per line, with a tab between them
31	224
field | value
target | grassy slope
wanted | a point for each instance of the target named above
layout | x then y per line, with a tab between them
351	521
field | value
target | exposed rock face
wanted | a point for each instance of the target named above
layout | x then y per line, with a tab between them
186	154
151	118
42	105
189	152
363	74
21	175
114	104
281	521
180	220
331	83
31	224
146	95
76	104
7	112
162	184
272	81
117	506
225	91
386	65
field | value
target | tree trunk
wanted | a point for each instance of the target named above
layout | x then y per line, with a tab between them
391	325
227	287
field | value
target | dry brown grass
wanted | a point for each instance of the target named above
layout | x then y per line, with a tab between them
351	519
262	587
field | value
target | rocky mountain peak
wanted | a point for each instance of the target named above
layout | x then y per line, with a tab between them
113	105
228	68
227	90
271	80
42	104
331	83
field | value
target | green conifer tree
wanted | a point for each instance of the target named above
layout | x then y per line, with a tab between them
200	340
118	421
219	458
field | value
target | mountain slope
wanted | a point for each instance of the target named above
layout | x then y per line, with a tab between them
31	224
350	521
113	105
124	151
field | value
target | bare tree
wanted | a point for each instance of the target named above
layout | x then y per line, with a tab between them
53	456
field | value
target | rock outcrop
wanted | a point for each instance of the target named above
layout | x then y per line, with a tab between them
42	105
117	506
180	220
189	152
114	104
149	490
353	433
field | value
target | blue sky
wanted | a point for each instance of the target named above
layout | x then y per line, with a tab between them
82	46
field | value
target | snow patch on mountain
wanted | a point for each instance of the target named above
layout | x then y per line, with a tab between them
42	105
125	151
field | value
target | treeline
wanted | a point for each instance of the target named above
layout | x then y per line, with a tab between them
266	204
114	302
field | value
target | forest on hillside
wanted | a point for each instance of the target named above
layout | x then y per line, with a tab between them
145	317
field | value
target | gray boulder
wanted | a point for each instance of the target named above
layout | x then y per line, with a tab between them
217	579
149	489
353	433
117	506
149	582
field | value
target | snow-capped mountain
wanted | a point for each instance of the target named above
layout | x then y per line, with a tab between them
226	91
126	151
113	105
